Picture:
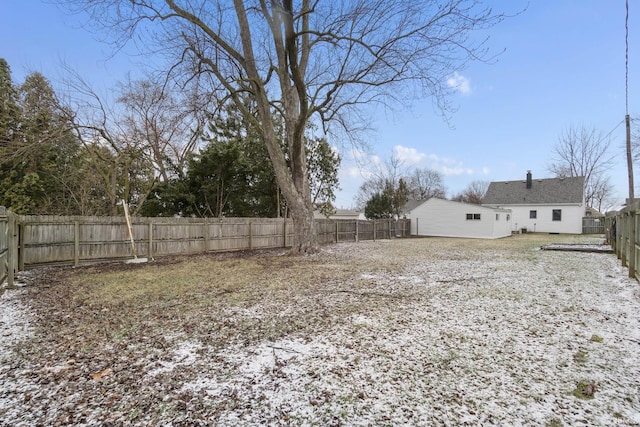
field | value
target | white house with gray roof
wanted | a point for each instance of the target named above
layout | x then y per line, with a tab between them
551	205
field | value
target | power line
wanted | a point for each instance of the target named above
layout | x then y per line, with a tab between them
611	131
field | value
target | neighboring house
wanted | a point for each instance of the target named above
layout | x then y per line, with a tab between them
552	205
341	214
445	218
590	212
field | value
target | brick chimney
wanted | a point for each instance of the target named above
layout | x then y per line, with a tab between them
529	180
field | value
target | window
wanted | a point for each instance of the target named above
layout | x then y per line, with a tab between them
557	215
508	217
469	217
497	217
473	217
533	214
476	217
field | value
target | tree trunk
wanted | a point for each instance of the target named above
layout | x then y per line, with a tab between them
304	231
292	179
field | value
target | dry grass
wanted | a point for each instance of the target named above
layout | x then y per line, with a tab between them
420	331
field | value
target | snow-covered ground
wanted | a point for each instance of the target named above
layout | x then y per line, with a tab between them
450	332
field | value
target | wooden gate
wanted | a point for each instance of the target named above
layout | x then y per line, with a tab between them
592	225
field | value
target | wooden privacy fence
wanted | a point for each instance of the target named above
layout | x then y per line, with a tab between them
344	230
592	225
58	240
623	233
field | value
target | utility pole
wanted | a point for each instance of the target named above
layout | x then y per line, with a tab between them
629	161
632	223
626	117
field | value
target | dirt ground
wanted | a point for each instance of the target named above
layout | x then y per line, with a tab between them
402	332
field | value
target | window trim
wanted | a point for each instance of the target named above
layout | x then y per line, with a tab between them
533	214
556	215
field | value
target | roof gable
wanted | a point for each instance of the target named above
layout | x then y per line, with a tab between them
542	191
412	204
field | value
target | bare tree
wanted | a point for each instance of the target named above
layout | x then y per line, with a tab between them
304	60
168	127
603	191
383	177
474	193
583	151
425	183
134	143
392	182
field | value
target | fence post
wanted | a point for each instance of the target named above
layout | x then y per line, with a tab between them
624	245
632	242
336	231
284	232
76	243
357	231
250	236
150	249
374	230
11	248
618	234
20	245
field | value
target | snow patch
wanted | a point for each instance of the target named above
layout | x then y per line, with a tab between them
15	320
185	355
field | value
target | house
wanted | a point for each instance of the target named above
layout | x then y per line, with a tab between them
590	212
341	214
552	205
445	218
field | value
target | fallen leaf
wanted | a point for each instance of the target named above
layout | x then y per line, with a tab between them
99	375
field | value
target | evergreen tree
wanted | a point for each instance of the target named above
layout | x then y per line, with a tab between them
323	164
39	159
232	176
379	206
9	110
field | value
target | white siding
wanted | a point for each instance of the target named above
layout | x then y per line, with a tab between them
570	223
503	226
444	218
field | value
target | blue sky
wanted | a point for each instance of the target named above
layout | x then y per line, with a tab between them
564	65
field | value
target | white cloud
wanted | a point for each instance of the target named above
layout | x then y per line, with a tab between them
352	172
486	171
455	171
460	83
410	156
448	166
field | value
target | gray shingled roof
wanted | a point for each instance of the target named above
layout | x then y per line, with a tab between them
411	205
550	190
